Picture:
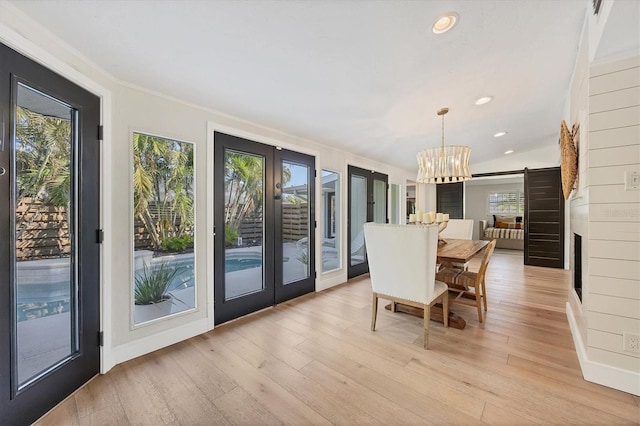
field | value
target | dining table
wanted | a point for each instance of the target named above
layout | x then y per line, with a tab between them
450	251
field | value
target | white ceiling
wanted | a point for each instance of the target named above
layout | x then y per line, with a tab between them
366	76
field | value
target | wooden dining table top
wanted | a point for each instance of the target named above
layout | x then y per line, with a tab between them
459	250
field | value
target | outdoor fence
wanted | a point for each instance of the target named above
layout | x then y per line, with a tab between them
46	233
43	231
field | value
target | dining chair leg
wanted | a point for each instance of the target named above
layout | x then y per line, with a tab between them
374	311
479	302
484	294
445	308
427	320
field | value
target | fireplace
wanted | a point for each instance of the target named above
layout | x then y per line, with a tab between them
577	265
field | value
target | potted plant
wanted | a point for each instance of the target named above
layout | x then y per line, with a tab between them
151	292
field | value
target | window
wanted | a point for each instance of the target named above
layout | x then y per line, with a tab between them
330	220
507	202
163	227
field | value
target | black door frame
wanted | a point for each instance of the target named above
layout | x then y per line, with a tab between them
25	405
370	176
274	290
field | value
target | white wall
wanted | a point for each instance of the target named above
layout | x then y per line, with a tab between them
613	301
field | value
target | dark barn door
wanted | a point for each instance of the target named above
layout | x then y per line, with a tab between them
544	218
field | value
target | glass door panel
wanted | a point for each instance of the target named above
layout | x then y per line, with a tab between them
244	227
244	224
44	223
358	203
294	202
296	222
367	203
379	201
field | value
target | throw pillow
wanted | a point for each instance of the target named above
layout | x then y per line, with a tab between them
506	219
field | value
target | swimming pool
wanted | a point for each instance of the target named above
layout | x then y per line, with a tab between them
243	260
42	290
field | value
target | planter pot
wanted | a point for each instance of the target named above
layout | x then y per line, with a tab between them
144	313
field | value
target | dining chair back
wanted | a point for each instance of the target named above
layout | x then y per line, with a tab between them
459	229
402	266
469	287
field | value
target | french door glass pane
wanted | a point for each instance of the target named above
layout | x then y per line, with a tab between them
379	201
358	206
44	225
330	220
164	227
244	225
295	222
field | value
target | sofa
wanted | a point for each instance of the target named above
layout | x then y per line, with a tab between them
508	231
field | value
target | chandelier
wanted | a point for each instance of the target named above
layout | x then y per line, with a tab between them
444	164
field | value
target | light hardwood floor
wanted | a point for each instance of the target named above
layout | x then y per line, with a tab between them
314	360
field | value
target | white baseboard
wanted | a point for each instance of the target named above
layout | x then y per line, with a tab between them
146	345
602	374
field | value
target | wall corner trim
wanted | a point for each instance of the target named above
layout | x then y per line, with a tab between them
602	374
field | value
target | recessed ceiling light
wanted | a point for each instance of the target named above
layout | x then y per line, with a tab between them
499	134
509	152
445	23
484	100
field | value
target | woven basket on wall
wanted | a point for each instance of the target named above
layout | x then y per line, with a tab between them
569	160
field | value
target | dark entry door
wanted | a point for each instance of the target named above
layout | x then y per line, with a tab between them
543	218
264	226
367	192
49	258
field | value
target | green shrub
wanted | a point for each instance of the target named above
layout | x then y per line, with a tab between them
152	284
230	235
180	243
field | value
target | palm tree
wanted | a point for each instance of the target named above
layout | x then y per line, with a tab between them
163	186
244	176
43	160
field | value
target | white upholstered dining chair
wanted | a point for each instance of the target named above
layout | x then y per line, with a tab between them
459	229
402	266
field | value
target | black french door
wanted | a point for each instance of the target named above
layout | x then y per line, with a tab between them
367	193
264	226
49	257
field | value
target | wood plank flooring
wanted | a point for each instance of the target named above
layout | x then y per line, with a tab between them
313	360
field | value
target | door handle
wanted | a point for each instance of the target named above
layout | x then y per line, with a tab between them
2	171
278	191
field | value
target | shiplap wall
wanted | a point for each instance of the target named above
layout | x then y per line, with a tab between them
613	299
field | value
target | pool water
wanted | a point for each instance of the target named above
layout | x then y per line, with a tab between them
238	264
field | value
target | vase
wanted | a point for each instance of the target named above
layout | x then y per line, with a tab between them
144	313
